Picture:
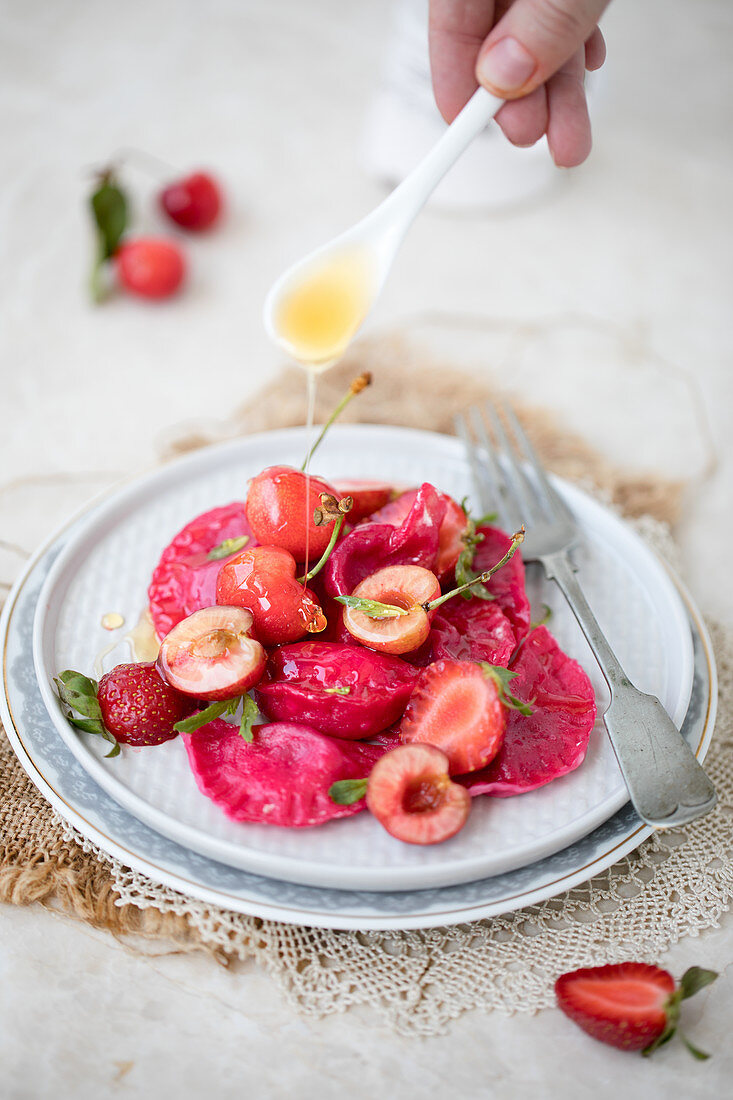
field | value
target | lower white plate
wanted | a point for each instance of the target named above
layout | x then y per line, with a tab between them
80	801
106	566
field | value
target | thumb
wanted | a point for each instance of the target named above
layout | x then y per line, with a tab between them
532	41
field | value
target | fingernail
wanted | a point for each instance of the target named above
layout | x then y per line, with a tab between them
507	66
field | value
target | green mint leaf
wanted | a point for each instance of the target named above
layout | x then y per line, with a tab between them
464	566
227	547
109	209
373	608
337	691
502	677
347	791
203	717
695	979
250	714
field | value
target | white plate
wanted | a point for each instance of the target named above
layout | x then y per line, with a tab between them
107	564
80	801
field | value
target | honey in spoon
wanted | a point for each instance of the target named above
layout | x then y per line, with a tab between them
318	314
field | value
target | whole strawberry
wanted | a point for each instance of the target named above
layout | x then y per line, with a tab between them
632	1006
132	704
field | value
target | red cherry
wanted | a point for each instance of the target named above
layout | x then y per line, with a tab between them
194	202
280	514
263	580
367	496
150	267
410	794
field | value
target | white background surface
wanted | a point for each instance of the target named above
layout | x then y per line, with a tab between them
272	96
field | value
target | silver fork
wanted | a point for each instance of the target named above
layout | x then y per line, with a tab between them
666	783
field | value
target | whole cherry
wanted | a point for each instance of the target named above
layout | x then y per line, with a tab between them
193	202
281	502
150	266
263	580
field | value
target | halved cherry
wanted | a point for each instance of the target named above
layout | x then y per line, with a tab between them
280	506
210	655
405	624
263	580
411	794
456	707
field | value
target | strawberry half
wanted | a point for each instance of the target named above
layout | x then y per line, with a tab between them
456	706
632	1006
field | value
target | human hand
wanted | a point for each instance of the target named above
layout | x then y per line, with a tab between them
532	52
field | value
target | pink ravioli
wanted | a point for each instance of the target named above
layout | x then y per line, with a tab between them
342	690
553	740
373	546
471	630
507	586
282	777
184	579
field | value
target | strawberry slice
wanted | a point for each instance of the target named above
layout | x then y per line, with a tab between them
633	1006
457	708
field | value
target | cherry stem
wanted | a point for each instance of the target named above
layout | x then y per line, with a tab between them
327	552
517	539
356	386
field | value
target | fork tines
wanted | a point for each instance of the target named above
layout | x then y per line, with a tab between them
507	472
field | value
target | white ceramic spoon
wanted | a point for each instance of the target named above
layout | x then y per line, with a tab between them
376	238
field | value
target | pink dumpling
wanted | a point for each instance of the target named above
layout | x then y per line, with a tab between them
553	740
507	585
373	546
185	579
282	777
343	690
471	630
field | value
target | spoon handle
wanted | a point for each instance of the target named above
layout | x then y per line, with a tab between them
407	200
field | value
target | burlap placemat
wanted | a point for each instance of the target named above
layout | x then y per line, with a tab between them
673	885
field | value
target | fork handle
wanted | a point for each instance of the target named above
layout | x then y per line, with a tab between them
666	783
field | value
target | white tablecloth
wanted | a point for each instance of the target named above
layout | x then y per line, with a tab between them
272	96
